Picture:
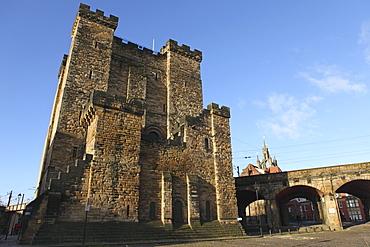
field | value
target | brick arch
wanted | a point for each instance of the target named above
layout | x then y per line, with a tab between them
299	191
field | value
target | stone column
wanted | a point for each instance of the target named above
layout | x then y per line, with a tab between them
193	200
366	203
166	207
331	211
272	212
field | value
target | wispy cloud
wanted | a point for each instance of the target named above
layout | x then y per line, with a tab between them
241	103
364	39
331	80
289	117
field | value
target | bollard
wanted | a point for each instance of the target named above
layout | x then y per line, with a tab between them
270	232
280	231
261	231
289	231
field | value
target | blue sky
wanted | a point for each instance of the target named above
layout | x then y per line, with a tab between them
294	73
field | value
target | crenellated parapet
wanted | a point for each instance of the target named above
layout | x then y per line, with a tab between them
184	50
214	108
109	101
98	17
134	46
71	175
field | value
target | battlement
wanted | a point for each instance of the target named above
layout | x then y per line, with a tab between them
133	46
172	45
109	101
98	16
215	109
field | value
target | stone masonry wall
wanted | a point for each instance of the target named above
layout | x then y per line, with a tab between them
86	68
113	188
225	188
183	82
156	153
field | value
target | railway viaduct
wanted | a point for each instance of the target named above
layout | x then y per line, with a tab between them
319	185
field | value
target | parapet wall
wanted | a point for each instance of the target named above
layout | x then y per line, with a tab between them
98	16
172	45
224	111
108	101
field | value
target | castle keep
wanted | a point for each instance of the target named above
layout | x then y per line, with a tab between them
129	140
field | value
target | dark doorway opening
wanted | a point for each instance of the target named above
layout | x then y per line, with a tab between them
178	216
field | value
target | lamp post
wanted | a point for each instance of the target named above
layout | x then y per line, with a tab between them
19	198
259	213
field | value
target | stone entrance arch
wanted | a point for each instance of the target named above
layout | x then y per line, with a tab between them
300	191
245	198
361	189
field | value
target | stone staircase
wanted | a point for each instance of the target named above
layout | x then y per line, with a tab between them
126	232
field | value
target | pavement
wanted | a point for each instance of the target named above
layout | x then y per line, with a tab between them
356	236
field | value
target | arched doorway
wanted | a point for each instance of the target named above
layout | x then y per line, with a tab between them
354	201
152	211
300	197
177	213
208	211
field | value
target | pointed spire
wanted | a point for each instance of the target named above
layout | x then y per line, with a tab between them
258	162
275	161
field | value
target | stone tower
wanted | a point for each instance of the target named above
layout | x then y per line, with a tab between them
129	139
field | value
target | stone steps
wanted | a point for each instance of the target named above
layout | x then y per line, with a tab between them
118	232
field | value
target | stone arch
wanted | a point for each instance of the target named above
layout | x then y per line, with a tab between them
299	191
153	134
361	189
245	198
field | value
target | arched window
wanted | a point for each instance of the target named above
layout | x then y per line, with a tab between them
152	213
153	134
153	137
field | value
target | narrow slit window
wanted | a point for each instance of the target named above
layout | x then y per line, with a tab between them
74	152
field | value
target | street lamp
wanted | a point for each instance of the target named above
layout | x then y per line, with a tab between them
259	213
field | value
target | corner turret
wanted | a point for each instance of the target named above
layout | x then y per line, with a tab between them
172	45
98	16
224	111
